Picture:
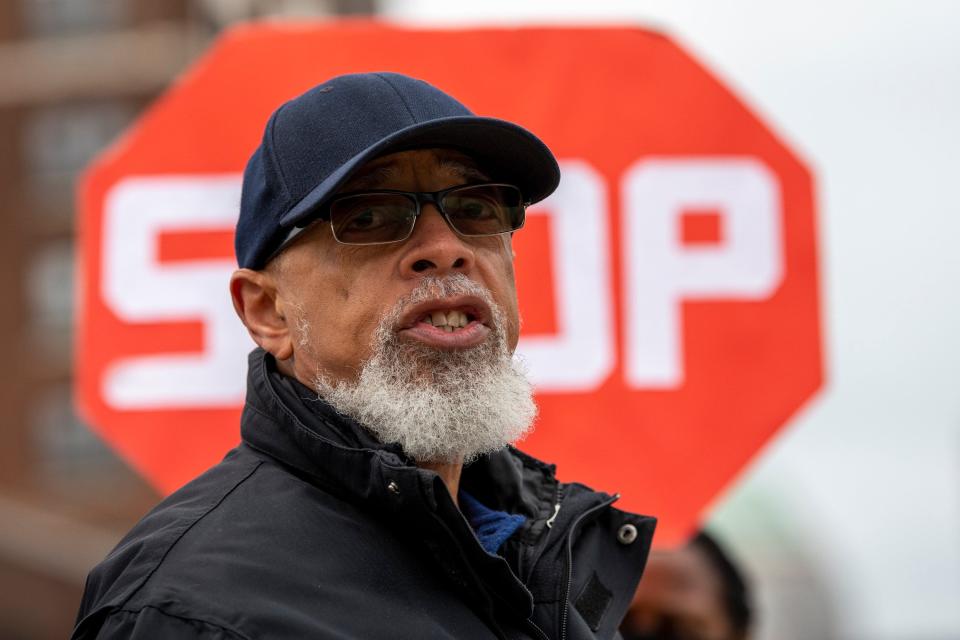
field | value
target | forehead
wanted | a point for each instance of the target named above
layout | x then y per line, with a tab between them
447	163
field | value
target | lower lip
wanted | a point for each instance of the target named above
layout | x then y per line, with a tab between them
464	338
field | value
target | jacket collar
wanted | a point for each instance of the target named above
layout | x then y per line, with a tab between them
290	423
282	419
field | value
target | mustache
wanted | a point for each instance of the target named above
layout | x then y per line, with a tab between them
439	405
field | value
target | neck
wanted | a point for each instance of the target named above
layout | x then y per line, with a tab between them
449	473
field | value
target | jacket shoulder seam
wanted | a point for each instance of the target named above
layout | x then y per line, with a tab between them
167	614
179	537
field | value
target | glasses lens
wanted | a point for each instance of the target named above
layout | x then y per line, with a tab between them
372	218
484	209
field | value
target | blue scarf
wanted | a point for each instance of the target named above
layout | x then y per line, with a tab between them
492	527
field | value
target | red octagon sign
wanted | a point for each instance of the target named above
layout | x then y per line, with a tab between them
668	288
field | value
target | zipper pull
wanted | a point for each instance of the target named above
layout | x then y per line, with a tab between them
556	511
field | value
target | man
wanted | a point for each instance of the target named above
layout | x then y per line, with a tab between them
373	495
695	592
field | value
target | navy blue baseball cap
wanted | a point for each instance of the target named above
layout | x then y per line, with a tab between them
315	142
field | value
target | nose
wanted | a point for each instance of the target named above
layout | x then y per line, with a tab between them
434	248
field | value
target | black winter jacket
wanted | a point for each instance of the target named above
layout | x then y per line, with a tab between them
313	529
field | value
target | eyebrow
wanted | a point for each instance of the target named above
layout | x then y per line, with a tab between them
462	170
373	177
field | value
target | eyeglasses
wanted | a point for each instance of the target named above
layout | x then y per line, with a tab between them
381	217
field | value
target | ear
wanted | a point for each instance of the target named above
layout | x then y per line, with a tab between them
255	300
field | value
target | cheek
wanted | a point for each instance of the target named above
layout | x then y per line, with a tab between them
510	306
342	284
339	294
505	289
357	299
341	333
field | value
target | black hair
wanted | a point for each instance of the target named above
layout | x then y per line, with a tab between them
735	591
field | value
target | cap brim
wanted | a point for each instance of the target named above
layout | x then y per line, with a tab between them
515	154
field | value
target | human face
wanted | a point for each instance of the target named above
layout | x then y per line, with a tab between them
337	294
680	597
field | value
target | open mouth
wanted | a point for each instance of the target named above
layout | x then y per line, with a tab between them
454	322
449	320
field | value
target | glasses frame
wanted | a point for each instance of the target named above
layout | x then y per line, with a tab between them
421	198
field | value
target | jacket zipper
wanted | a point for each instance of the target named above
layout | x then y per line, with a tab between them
553	518
568	565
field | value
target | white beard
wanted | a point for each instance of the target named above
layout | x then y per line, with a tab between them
440	406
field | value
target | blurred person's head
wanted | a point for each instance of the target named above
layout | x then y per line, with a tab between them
695	592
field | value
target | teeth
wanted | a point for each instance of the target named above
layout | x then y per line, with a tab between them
448	321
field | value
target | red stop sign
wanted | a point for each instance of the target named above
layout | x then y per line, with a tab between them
668	289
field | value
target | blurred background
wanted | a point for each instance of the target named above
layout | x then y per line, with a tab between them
848	524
